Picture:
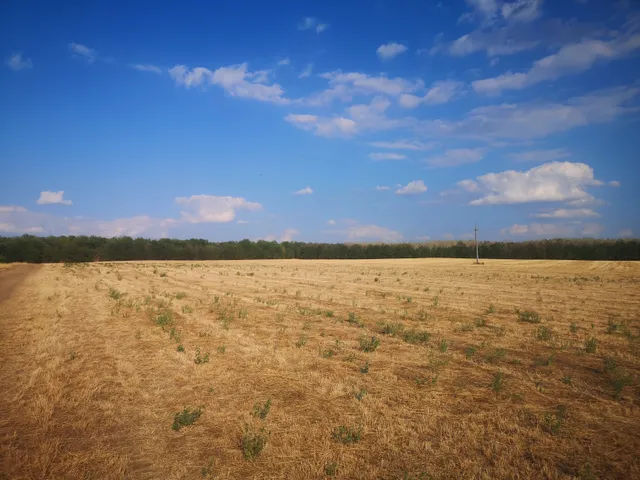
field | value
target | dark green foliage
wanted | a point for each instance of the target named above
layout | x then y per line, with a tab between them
164	319
544	334
261	410
529	316
347	435
369	344
253	442
591	345
415	336
199	358
32	249
180	348
186	418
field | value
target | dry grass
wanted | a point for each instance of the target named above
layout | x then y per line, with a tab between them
458	387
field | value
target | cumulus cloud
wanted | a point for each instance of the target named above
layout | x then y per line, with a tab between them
568	213
439	93
455	157
371	233
389	50
16	62
550	182
235	80
304	191
307	71
312	23
541	156
145	67
387	156
82	51
570	59
404	145
51	198
412	188
212	209
468	185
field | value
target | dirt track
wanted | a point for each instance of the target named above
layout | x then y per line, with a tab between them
11	277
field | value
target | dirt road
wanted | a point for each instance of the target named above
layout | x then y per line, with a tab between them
10	278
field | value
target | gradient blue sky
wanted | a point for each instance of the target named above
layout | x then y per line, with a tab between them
320	121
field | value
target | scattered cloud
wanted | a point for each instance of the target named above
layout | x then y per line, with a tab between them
535	120
412	188
213	209
404	145
626	233
542	156
323	126
288	234
372	233
146	68
312	23
387	156
16	62
570	59
550	182
592	229
389	50
307	71
548	230
304	191
439	93
82	51
515	229
455	157
242	222
468	185
51	198
285	61
614	183
11	209
568	213
521	10
235	80
382	188
363	84
331	222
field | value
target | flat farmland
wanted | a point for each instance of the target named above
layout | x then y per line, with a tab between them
407	369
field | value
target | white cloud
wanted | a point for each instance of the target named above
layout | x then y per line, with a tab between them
521	10
536	120
50	198
242	222
556	181
568	213
412	188
212	209
439	93
626	233
145	67
16	62
389	50
468	185
550	182
11	209
323	126
236	80
614	183
592	229
570	59
304	191
331	222
82	51
312	23
423	238
515	229
361	83
542	156
382	188
307	71
288	234
285	61
387	156
548	230
372	233
455	157
404	145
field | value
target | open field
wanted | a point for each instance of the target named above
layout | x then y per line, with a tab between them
346	369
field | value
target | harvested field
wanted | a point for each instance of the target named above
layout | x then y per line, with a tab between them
321	369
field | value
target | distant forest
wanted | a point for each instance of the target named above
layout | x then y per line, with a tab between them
32	249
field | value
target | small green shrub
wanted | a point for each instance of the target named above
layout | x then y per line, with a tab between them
115	294
498	382
187	309
443	345
470	352
544	334
491	309
391	328
369	344
261	410
331	469
496	355
221	349
529	316
301	342
199	358
347	435
180	348
365	369
573	327
164	319
253	442
361	394
415	336
552	422
185	418
591	345
481	322
180	295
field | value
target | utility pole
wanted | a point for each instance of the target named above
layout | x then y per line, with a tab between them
475	233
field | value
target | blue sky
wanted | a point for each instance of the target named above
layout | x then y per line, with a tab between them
321	121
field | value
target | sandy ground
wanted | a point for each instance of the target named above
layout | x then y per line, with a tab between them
460	386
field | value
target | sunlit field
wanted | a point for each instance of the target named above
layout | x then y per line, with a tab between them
407	369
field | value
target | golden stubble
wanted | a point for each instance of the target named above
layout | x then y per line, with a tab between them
91	383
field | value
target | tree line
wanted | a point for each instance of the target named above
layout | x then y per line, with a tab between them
32	249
